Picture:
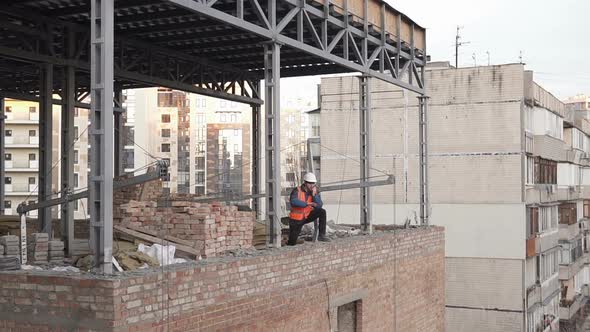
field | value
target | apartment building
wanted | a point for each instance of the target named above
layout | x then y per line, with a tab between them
579	102
205	140
21	139
508	169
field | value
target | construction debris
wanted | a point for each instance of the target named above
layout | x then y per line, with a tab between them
38	248
131	234
133	260
9	246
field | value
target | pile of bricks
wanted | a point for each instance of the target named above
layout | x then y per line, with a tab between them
9	246
214	228
56	251
80	247
38	248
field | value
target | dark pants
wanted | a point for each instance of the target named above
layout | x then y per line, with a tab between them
296	225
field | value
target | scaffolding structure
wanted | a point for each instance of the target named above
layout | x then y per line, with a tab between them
217	48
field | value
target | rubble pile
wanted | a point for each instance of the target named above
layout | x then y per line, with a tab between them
211	228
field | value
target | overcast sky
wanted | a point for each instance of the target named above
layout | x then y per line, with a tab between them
554	36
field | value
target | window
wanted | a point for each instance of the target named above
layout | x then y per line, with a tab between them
165	147
548	218
549	264
8	156
8	109
165	118
8	180
532	221
75	157
223	118
32	109
222	104
200	162
76	205
200	119
32	180
236	132
165	132
291	177
8	133
199	190
75	132
7	204
586	209
234	118
567	214
75	180
32	157
32	133
200	177
545	171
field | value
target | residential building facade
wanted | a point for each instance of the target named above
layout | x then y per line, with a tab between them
21	143
506	176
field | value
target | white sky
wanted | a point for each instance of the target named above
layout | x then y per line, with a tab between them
554	37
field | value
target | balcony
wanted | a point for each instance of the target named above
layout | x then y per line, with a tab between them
568	232
568	271
568	308
22	142
22	166
19	189
548	147
547	240
532	246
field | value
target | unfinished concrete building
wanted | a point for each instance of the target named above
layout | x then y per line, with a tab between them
382	281
507	166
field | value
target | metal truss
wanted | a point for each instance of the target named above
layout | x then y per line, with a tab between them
33	38
328	37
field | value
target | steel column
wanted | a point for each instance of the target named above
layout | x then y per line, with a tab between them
67	156
256	131
101	134
272	144
2	161
118	113
365	150
423	152
45	145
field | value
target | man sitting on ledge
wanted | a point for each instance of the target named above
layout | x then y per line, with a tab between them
306	207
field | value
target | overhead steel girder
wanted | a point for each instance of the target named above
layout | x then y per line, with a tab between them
408	77
192	74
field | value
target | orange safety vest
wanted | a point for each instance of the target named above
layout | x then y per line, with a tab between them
301	213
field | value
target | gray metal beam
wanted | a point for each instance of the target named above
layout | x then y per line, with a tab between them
118	113
256	134
102	133
272	142
2	161
30	97
67	157
423	153
365	151
45	146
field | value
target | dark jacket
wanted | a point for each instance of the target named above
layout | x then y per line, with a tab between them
295	201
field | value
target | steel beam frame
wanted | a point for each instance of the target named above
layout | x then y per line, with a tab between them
118	113
67	156
101	133
366	48
423	156
272	144
365	151
256	134
135	61
45	146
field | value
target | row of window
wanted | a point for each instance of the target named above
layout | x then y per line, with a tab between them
33	180
32	133
541	171
541	219
8	109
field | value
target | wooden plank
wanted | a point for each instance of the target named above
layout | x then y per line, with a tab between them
166	237
153	239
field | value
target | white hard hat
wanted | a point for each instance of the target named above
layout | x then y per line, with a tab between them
310	177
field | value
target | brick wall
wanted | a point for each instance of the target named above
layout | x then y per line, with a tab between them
214	228
396	278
